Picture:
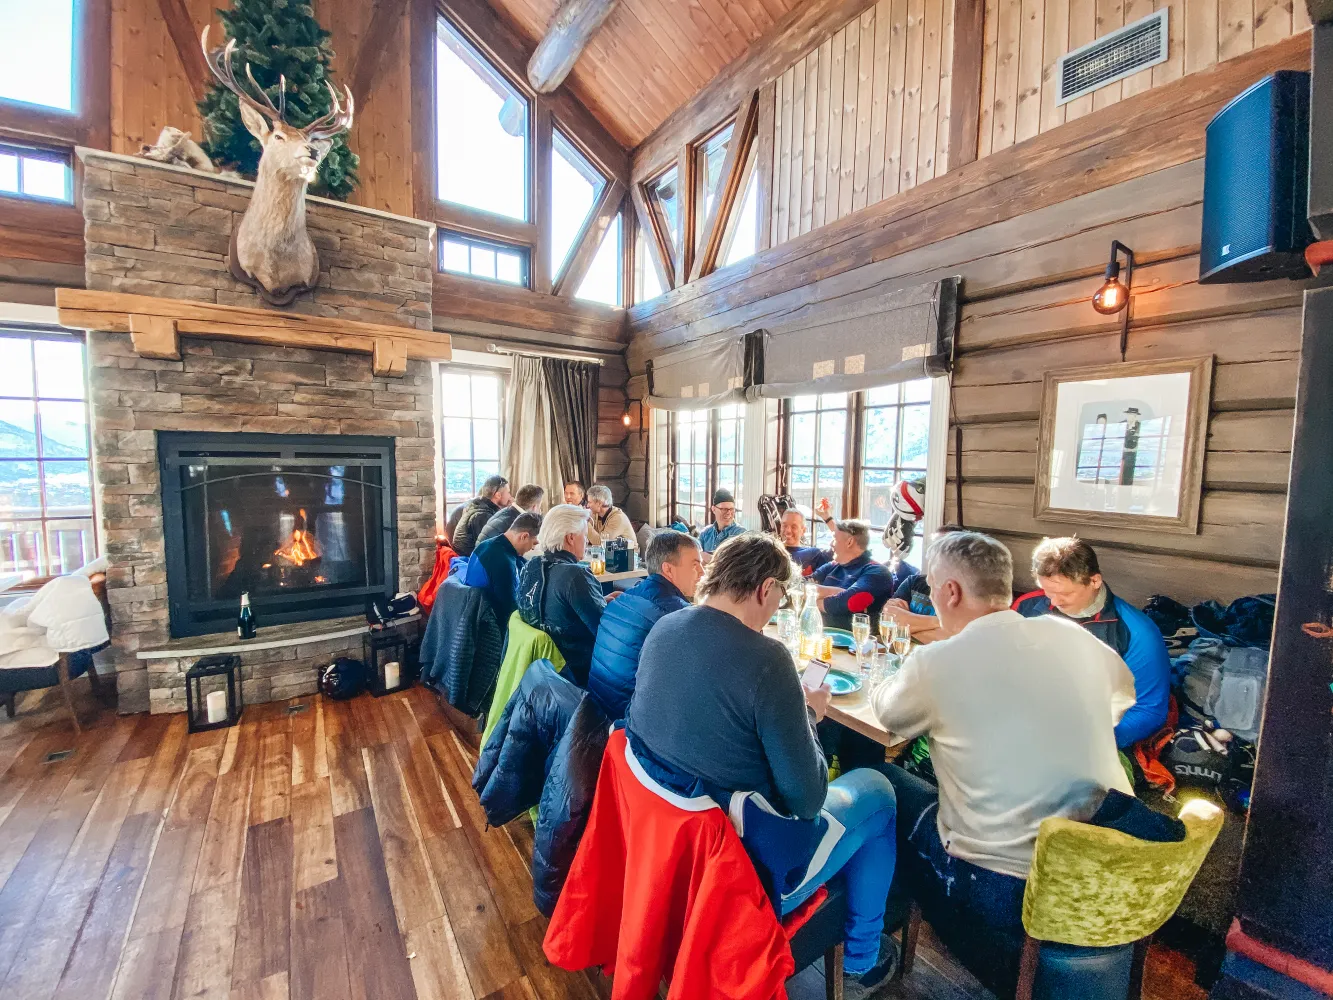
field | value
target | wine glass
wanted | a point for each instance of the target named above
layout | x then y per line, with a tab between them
902	639
860	633
796	596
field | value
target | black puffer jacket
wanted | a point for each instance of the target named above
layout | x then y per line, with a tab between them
463	646
562	598
478	511
545	751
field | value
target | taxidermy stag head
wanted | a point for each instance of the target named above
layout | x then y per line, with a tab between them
271	249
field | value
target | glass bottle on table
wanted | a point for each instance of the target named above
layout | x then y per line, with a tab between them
812	624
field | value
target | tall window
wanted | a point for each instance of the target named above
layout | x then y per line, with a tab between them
817	454
711	155
745	237
470	407
664	198
483	259
481	130
706	454
603	280
36	172
46	491
575	187
647	285
37	52
852	448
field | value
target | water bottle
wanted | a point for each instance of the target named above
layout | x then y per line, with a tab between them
812	623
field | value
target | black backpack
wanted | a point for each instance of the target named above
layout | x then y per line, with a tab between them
343	678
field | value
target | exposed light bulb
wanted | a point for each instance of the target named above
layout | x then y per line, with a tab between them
1111	297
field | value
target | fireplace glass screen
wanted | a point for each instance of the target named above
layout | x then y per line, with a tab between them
304	525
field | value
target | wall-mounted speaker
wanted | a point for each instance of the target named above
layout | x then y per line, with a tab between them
1255	184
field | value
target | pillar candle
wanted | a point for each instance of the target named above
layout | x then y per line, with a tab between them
391	675
217	706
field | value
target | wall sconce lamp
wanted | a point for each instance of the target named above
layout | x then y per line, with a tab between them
1113	296
624	417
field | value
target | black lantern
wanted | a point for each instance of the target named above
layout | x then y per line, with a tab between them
387	662
213	696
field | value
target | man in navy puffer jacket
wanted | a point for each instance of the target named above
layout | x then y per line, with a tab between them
675	565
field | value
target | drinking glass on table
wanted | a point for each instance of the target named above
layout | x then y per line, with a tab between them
860	633
902	639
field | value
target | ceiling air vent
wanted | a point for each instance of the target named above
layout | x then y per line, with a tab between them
1113	57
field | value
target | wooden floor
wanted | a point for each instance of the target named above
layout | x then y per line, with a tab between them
317	850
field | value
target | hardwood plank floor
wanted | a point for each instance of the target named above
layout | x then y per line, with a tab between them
316	851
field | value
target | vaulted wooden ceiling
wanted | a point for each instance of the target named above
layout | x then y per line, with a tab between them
651	56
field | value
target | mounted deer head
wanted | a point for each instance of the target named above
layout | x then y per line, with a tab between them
271	249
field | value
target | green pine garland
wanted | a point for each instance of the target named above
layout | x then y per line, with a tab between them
277	38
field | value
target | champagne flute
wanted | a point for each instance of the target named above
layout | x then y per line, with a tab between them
902	639
860	633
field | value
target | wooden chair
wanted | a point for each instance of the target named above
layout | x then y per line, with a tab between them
821	935
62	673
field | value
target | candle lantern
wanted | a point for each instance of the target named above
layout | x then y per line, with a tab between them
213	696
388	663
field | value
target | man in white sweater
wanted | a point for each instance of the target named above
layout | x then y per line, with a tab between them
1020	715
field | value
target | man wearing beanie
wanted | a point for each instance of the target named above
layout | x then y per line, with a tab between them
724	524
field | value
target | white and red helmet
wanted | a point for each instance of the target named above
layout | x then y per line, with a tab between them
908	499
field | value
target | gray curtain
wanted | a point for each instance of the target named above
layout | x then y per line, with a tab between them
573	392
529	450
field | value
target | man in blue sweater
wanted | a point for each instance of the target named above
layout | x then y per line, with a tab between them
1072	587
792	531
853	583
496	562
674	564
724	524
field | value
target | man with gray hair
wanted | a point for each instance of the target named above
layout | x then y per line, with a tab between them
494	494
853	583
608	520
1020	715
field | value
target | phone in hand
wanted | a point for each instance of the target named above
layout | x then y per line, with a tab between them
813	678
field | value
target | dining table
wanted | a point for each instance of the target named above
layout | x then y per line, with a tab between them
853	710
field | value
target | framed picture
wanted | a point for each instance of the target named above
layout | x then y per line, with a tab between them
1122	445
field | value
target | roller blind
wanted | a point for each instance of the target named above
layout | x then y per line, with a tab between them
698	376
878	338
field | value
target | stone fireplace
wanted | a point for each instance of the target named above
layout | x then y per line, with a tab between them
162	232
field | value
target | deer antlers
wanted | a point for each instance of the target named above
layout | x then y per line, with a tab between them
339	119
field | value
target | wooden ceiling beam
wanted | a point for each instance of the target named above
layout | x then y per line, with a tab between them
180	26
729	184
589	241
385	17
574	24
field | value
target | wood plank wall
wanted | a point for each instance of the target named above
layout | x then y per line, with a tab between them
151	89
862	116
1025	38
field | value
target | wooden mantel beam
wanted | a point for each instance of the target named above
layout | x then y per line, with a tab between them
156	324
569	31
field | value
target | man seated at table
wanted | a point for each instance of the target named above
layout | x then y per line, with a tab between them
1020	715
717	708
574	493
724	524
791	529
1072	587
495	494
853	583
911	604
608	521
558	594
496	563
528	499
674	566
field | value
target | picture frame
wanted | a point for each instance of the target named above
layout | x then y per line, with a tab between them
1122	445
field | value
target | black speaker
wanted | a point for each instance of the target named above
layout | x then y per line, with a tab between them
1255	184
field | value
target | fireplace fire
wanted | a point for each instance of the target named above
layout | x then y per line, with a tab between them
305	525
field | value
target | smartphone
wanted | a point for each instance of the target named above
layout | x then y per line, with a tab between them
813	678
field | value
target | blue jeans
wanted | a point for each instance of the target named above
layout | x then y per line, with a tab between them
862	801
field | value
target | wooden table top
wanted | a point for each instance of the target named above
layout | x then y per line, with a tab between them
853	710
634	574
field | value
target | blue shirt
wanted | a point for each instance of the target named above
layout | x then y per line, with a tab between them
808	557
495	565
861	576
711	537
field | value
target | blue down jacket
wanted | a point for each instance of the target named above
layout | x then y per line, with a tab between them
546	751
626	622
463	646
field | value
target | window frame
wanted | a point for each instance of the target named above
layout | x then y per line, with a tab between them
854	466
699	156
502	374
487	243
31	335
89	123
583	164
29	151
711	461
